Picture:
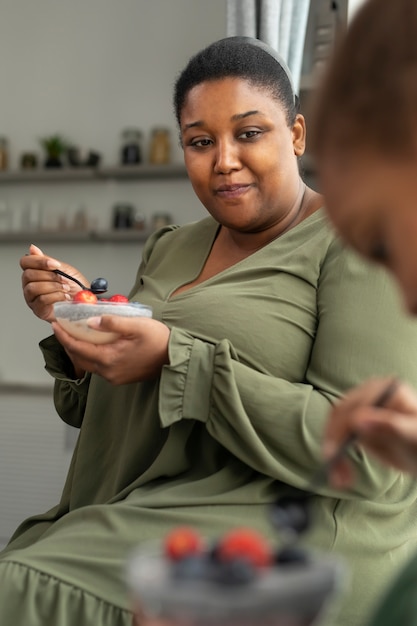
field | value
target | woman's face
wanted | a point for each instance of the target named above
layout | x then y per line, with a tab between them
240	154
373	204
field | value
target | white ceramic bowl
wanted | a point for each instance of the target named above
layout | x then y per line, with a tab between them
73	317
294	594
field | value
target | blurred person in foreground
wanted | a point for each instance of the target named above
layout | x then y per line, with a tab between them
364	137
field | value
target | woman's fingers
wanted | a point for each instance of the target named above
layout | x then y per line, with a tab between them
139	352
42	287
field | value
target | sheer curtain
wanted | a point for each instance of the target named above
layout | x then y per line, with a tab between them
280	23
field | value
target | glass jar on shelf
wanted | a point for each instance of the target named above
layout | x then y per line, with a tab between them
160	146
28	161
123	215
131	153
159	220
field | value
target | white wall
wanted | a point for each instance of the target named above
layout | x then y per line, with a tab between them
88	69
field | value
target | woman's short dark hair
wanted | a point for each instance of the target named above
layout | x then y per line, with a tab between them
238	57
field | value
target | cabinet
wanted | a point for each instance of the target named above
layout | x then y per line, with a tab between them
76	177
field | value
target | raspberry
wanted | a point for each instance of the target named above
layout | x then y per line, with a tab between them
183	542
245	544
118	298
86	296
290	555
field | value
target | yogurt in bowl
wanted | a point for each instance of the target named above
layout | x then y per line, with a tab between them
74	316
230	582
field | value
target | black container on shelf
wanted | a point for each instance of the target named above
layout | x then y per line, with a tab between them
131	153
83	158
123	216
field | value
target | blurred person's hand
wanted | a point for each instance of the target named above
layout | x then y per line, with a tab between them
388	432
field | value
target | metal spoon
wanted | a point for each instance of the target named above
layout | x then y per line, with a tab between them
291	513
98	285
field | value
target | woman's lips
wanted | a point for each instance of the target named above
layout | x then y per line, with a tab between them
232	191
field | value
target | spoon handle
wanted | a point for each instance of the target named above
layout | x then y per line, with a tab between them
61	273
321	475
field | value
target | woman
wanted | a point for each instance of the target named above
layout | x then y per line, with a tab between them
365	140
206	413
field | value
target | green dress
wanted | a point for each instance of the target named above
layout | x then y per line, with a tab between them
257	355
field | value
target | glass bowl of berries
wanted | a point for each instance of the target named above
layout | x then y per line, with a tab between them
239	580
73	315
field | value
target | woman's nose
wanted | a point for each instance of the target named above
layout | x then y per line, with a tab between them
227	157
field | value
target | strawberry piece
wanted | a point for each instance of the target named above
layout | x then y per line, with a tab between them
86	296
183	542
245	544
118	298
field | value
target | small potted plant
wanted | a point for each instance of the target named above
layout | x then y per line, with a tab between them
55	146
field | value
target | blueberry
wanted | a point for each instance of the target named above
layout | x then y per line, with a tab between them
213	552
292	513
99	285
190	568
291	555
234	572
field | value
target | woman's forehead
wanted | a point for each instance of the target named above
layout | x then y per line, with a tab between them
235	83
235	94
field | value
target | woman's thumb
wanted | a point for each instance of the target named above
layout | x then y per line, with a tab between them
35	250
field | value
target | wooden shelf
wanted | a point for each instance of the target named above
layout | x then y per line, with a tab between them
25	389
93	236
79	174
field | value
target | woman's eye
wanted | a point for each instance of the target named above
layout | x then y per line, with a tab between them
200	143
250	134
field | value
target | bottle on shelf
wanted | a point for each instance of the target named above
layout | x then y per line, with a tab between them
160	146
31	216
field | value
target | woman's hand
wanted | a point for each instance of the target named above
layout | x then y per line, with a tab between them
138	354
389	432
42	287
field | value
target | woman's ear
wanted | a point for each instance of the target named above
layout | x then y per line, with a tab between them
299	135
